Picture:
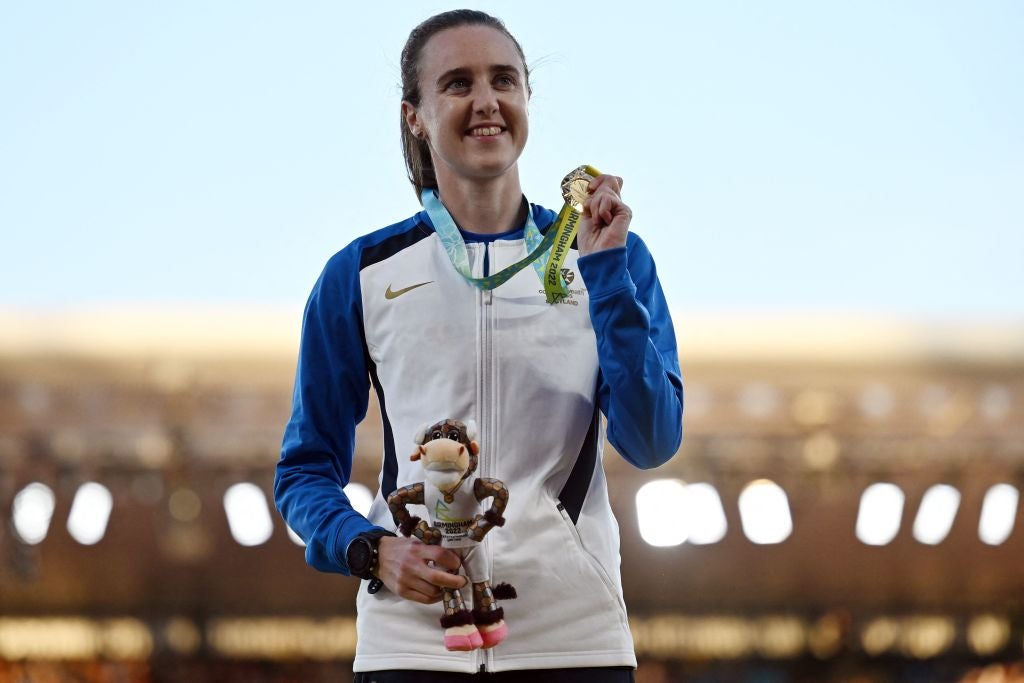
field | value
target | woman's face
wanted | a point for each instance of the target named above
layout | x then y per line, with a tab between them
473	103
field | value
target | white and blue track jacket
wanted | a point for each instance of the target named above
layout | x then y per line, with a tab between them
390	311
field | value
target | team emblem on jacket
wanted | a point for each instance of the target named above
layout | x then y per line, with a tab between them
568	275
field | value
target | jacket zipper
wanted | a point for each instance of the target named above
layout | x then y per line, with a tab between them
486	427
491	387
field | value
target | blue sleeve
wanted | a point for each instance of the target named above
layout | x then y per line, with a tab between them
330	398
641	388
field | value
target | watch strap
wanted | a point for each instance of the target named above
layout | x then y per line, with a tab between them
373	537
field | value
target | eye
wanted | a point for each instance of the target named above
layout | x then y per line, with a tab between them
458	83
436	435
454	436
505	81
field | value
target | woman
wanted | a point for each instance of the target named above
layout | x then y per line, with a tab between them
392	309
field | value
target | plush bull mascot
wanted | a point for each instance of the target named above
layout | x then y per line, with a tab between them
452	495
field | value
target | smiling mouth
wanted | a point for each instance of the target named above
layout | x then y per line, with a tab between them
486	132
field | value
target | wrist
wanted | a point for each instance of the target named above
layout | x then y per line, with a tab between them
363	555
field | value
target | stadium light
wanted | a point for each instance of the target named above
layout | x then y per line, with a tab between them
987	634
880	514
764	512
296	539
90	512
876	401
248	515
703	508
936	514
658	507
998	512
32	511
758	400
995	403
360	497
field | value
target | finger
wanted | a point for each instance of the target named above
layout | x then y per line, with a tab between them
442	557
607	205
406	584
596	202
443	579
421	592
420	584
612	182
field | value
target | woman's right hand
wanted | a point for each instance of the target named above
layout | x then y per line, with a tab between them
402	566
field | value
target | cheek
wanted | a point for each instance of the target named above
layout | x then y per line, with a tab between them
430	117
522	131
444	122
517	112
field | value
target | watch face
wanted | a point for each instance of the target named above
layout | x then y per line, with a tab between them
359	556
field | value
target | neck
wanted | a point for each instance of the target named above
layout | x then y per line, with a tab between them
490	206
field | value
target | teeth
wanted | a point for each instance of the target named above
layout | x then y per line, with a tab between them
479	132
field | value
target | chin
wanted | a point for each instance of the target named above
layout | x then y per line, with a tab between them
489	169
483	165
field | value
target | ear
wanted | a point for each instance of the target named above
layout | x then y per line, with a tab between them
412	120
421	434
474	448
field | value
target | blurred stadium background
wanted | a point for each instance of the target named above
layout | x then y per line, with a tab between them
850	489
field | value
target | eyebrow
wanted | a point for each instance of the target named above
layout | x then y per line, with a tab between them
462	71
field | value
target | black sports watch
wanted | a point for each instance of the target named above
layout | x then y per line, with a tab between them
361	557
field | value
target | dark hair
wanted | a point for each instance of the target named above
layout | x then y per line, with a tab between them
417	153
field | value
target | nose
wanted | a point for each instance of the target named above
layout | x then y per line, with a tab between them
485	100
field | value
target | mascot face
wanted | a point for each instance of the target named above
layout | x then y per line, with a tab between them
447	454
445	462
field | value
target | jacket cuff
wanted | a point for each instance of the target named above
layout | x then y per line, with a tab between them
349	528
605	272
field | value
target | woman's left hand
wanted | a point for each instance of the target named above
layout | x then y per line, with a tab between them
605	220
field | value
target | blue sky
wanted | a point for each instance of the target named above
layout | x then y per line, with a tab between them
779	157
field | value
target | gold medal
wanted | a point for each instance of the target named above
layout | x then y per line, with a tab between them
575	190
575	186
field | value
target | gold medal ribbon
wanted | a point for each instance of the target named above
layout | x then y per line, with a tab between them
575	188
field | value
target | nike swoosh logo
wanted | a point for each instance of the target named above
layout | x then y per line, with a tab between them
393	294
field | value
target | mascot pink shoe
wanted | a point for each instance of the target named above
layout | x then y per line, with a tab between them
492	634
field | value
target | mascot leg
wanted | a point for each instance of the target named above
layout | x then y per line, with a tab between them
489	618
459	632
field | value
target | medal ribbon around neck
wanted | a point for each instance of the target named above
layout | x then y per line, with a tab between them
555	244
455	247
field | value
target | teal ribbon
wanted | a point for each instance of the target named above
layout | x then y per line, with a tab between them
455	246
